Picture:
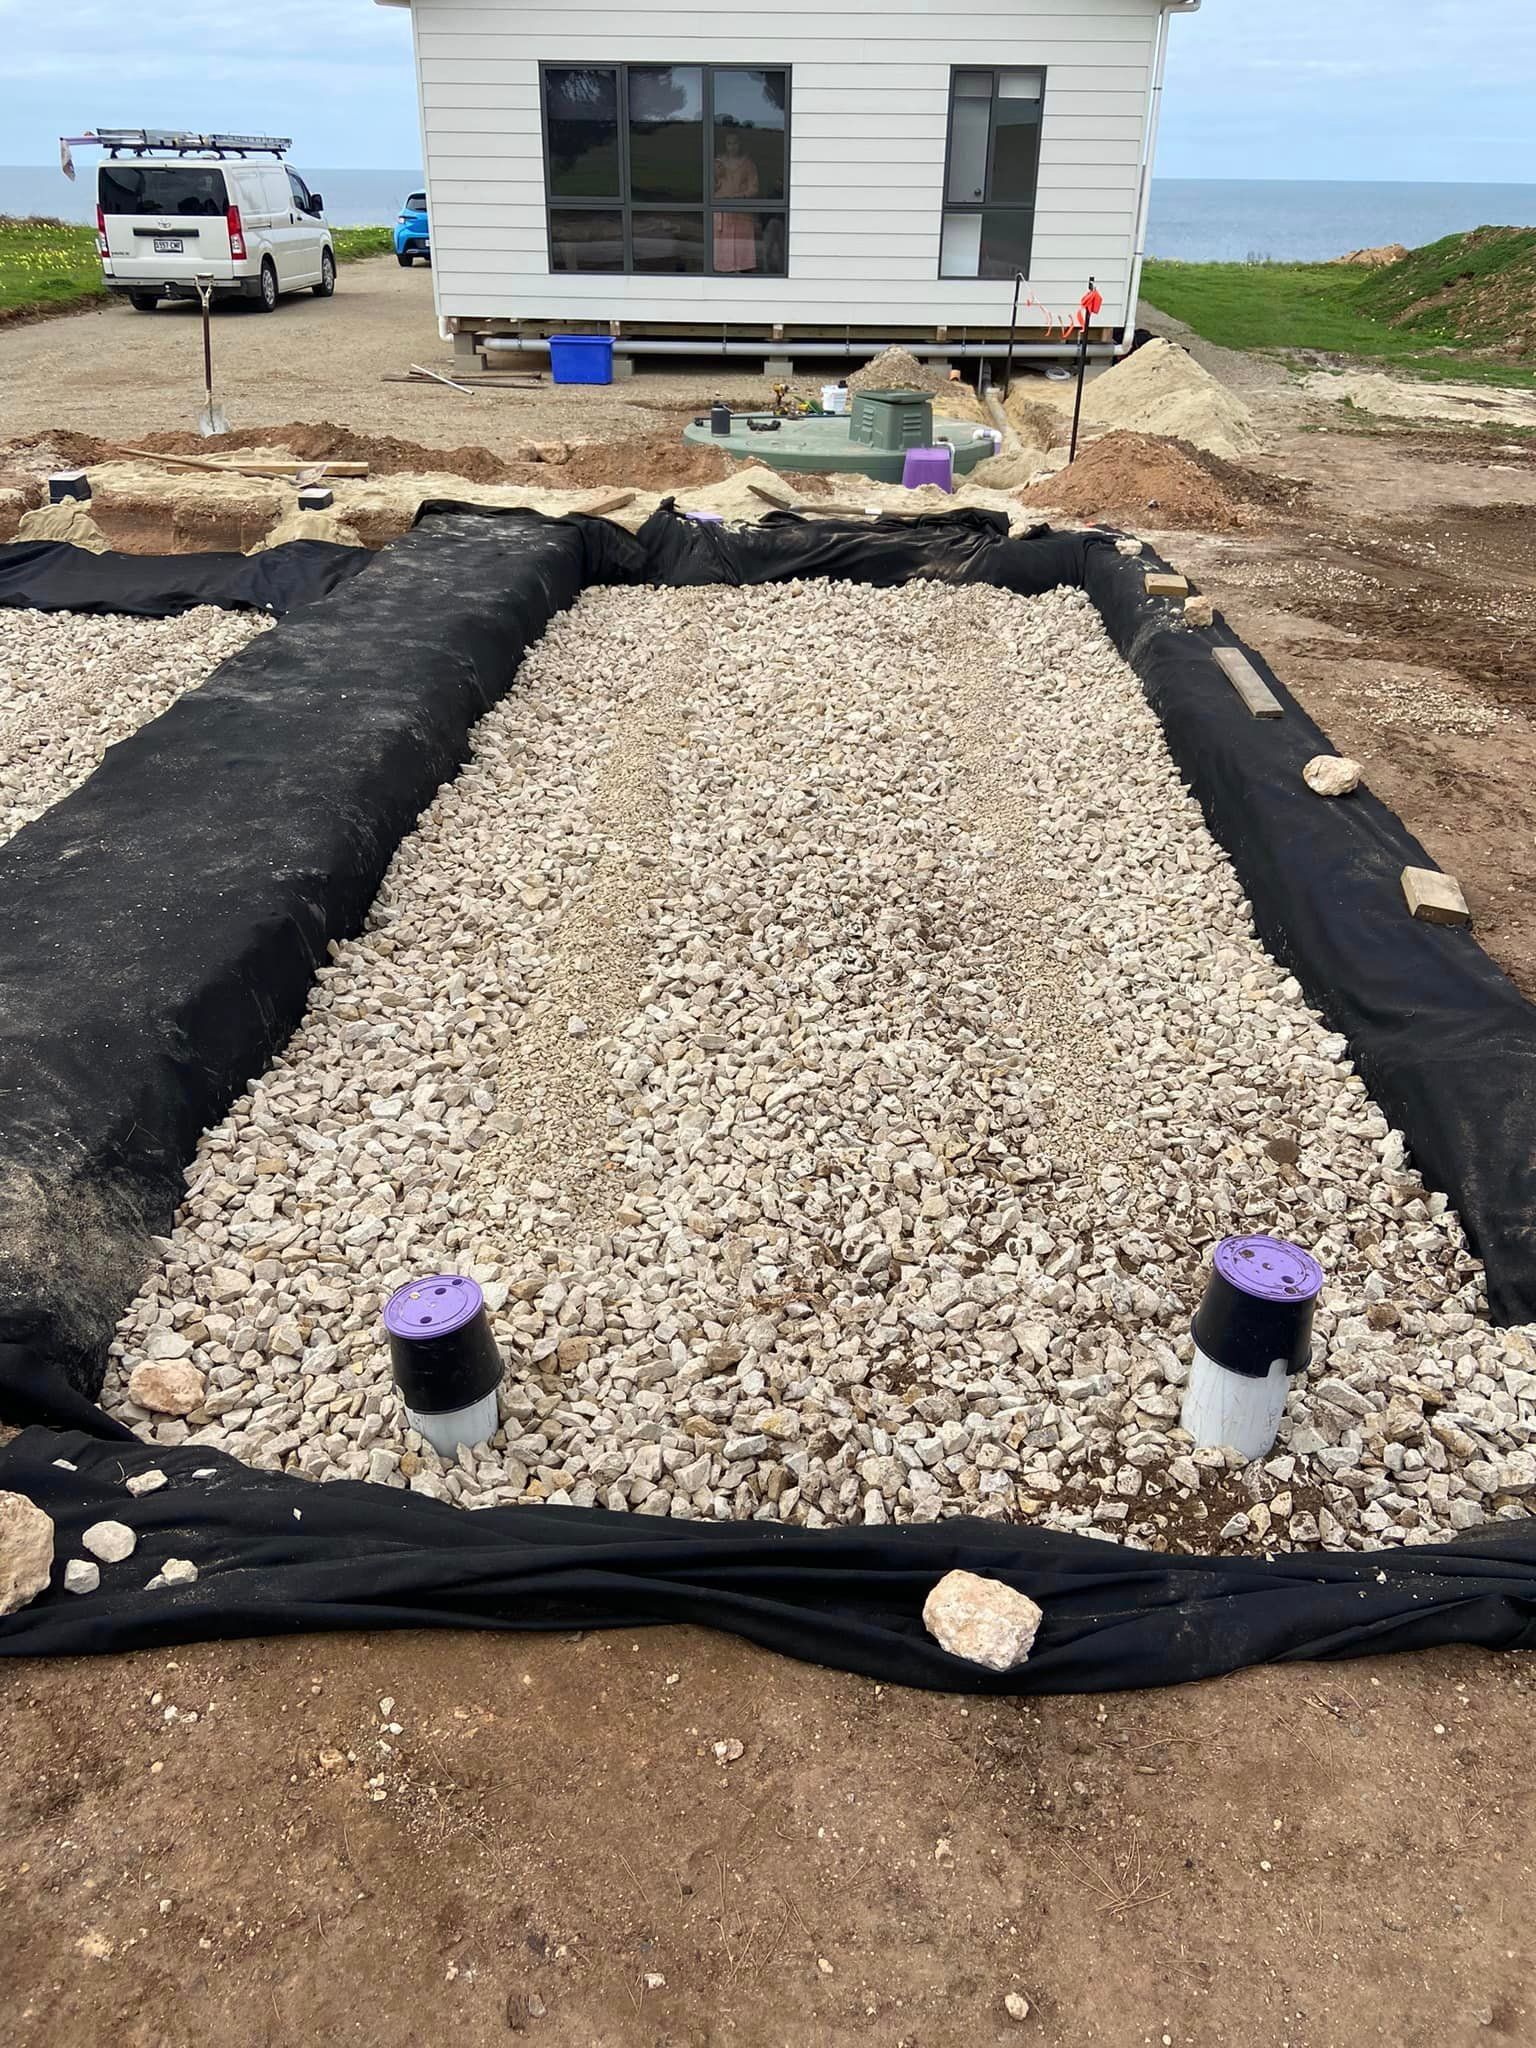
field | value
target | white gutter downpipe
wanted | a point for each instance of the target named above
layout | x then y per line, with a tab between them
1144	199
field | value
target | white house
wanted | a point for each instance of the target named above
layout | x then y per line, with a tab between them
787	180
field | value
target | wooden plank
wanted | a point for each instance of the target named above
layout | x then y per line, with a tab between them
1246	680
233	466
614	502
437	377
1435	898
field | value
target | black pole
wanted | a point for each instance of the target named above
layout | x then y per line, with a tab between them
1018	279
1082	372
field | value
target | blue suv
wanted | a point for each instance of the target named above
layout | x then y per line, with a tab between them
412	237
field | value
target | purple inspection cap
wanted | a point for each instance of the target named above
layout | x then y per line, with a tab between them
1257	1308
435	1307
1269	1268
442	1350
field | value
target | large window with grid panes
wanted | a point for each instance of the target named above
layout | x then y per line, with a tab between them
667	169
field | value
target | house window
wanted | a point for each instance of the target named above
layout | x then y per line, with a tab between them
667	169
991	170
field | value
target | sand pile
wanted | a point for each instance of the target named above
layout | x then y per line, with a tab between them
1141	479
896	369
300	523
70	521
1160	389
1373	391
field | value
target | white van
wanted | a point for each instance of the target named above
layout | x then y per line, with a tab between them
251	229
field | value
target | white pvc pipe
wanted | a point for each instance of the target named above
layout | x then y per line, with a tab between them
1144	199
1232	1410
473	1425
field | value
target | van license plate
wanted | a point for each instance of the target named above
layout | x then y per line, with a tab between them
169	245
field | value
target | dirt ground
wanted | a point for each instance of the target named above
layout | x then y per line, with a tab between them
548	1847
120	374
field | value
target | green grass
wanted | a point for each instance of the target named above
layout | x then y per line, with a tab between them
1481	288
51	266
47	266
350	243
1340	310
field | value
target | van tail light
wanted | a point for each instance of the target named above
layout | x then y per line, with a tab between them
236	234
101	232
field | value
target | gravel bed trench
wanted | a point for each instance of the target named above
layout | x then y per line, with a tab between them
820	1018
71	684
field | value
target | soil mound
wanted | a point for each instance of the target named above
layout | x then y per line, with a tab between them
1160	389
897	369
321	442
1375	259
1131	479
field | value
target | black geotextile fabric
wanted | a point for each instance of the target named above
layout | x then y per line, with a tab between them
964	546
1443	1040
164	922
56	576
280	1556
167	921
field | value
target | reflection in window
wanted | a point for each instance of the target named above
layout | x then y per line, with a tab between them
663	242
679	169
586	239
991	173
666	132
581	112
753	107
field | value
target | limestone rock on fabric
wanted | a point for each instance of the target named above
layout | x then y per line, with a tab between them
982	1620
26	1551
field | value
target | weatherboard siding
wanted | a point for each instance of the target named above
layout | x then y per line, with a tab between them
869	112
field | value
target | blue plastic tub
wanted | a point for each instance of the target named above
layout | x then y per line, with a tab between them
581	358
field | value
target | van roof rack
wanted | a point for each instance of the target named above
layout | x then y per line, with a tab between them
179	142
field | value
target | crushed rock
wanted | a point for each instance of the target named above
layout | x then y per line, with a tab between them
929	1049
72	684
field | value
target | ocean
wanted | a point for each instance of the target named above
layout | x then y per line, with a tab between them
1196	220
1246	220
352	198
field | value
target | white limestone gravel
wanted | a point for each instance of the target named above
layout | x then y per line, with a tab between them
821	1020
72	684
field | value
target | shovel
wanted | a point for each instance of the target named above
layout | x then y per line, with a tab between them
212	419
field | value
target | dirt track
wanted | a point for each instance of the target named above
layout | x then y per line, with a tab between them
1319	1857
120	374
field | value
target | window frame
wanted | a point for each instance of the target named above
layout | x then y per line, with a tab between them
627	207
985	205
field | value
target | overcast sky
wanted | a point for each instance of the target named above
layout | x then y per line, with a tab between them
1256	88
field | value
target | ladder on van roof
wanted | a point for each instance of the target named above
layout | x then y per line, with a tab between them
177	142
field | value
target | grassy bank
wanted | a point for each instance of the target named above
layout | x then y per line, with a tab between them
1462	308
51	266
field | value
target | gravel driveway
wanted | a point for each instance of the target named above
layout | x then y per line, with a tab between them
119	374
820	1017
